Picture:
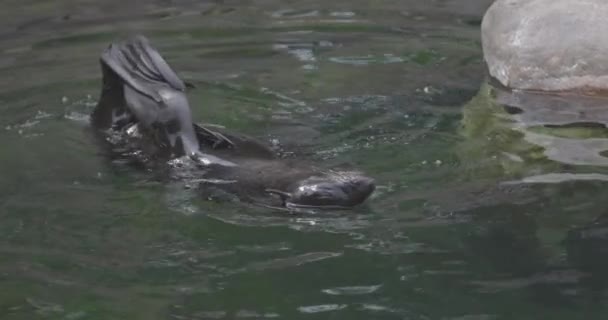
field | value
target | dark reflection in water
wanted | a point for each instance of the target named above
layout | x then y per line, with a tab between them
357	84
586	249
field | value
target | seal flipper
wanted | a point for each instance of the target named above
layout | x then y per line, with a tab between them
111	110
285	196
215	137
140	85
141	67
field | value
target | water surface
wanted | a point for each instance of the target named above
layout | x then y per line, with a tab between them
375	85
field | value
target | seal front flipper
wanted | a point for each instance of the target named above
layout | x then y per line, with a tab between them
238	145
140	86
282	194
214	138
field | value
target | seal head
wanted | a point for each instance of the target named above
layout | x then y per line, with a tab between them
330	190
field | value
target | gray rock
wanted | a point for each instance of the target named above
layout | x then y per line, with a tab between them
547	45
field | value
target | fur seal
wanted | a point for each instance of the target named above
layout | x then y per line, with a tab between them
143	101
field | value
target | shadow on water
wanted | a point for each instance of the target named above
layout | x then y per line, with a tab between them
466	223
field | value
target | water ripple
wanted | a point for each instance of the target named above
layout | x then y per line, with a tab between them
294	261
321	308
354	290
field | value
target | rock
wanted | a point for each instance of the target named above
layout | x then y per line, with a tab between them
548	45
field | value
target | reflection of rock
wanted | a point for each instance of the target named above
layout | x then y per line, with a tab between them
559	178
525	133
571	151
547	44
535	108
491	145
570	128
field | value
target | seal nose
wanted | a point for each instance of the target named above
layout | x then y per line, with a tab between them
364	187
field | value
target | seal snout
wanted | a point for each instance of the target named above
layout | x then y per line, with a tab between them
366	186
361	188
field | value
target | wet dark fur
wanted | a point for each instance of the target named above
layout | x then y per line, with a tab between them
144	107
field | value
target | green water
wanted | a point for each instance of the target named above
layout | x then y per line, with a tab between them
375	85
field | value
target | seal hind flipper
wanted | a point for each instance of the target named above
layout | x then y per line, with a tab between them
111	110
139	84
140	65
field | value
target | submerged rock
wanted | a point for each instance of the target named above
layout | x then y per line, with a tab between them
549	45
